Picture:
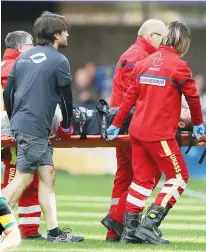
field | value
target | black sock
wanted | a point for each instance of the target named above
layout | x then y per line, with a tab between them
54	232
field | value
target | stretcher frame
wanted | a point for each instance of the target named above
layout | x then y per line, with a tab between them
94	141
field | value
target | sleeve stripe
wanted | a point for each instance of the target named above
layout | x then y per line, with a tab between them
7	220
130	64
184	82
13	223
125	64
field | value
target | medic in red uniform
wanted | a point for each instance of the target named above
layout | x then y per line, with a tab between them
148	40
158	83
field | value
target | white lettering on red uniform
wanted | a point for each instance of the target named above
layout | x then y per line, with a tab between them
152	81
153	68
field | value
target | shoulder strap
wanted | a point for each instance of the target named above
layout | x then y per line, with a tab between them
103	107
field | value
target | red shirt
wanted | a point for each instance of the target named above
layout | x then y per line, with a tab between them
157	86
9	59
122	77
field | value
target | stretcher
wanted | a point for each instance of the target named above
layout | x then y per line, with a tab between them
90	130
93	141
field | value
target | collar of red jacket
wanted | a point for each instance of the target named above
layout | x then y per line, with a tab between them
147	46
11	54
167	48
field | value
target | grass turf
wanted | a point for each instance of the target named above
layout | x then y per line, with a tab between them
89	195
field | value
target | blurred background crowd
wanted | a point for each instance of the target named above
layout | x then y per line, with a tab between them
102	31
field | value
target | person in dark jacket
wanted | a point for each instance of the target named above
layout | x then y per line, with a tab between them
38	79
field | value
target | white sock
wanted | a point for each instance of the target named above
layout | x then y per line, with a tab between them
52	201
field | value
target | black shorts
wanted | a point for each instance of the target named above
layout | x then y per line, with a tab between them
32	152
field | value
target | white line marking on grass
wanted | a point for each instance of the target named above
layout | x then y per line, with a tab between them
188	209
82	204
178	207
104	199
101	215
186	217
169	226
83	198
195	240
194	194
201	239
83	214
144	249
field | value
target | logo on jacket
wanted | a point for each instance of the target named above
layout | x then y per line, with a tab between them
157	59
24	61
38	58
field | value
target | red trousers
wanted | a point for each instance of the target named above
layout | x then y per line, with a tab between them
29	210
146	156
122	181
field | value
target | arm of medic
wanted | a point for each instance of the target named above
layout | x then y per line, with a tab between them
128	102
193	99
64	80
125	76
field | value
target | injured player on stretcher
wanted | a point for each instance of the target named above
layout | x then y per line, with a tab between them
93	122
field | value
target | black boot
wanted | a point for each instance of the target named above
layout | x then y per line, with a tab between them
36	236
157	229
131	223
147	231
109	223
110	239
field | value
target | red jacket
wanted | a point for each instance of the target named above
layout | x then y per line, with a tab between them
157	86
9	59
122	77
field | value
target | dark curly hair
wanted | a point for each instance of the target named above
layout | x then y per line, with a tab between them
47	25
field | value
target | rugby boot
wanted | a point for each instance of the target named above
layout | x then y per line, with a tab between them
111	224
131	223
64	236
147	231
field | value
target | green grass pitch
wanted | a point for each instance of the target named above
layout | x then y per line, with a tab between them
82	201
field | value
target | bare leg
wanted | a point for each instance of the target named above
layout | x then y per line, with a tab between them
47	196
15	188
48	205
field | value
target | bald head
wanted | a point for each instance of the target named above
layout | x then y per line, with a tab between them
150	26
152	30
